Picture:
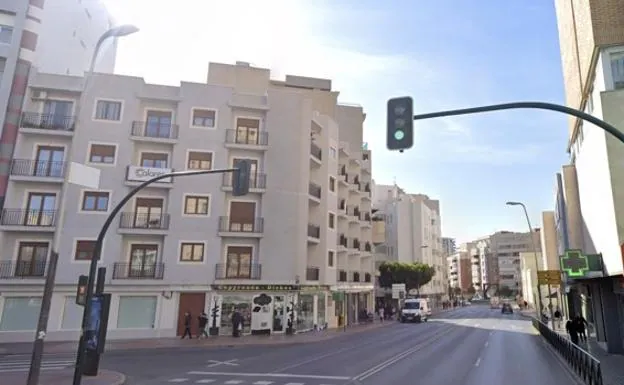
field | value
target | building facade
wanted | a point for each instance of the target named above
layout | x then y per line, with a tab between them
506	247
591	36
449	246
300	243
413	233
460	268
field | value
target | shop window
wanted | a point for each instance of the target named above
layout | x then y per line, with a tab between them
136	312
20	313
72	314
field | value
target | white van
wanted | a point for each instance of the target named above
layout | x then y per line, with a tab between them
415	310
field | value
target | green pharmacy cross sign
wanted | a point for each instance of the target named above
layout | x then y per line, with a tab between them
574	263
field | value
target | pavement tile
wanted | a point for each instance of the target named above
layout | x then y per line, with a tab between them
64	377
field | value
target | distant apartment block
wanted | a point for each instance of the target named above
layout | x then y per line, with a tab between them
448	246
302	236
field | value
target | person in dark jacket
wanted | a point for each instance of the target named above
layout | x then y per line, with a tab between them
202	322
237	323
187	325
572	332
580	324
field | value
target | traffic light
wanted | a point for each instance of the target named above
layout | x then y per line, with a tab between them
81	291
400	130
241	178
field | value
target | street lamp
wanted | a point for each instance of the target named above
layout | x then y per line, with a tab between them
42	324
539	289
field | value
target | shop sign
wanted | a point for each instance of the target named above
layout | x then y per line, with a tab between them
267	288
142	174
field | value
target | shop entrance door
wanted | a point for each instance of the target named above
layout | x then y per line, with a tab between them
279	314
193	303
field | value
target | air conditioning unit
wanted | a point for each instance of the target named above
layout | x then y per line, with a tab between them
37	95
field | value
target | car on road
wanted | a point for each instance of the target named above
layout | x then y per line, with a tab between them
507	309
413	311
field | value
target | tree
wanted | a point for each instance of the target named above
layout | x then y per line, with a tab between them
413	275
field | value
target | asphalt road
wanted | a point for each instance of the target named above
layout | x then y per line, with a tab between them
468	346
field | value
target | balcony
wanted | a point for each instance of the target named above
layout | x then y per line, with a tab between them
367	277
342	205
342	240
247	140
125	270
342	276
154	132
355	244
135	175
47	124
314	192
356	276
368	247
316	154
27	170
257	182
28	220
313	273
241	228
238	271
22	269
144	223
314	233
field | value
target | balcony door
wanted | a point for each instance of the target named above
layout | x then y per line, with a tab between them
154	159
31	259
242	216
143	258
247	130
40	210
57	113
158	124
238	263
148	213
253	174
49	161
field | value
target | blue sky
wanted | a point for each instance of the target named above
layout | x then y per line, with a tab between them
445	54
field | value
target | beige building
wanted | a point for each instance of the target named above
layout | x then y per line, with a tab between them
591	35
302	234
460	269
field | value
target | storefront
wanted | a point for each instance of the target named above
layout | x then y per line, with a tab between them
266	309
352	302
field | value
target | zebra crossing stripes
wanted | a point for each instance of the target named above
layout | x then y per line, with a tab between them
23	365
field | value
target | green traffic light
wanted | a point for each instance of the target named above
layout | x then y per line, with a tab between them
399	135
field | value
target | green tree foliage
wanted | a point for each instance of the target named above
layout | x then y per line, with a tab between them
413	275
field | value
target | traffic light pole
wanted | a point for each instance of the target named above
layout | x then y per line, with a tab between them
80	356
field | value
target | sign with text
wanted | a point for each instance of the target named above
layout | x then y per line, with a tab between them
142	174
398	290
549	277
269	288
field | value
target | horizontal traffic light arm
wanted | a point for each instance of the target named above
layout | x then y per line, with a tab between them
524	105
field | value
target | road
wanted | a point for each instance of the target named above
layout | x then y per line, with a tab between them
468	346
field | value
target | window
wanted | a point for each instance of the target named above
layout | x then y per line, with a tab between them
40	210
20	313
192	252
238	263
31	259
108	110
49	161
332	221
333	153
102	153
332	184
136	312
617	69
199	160
196	205
159	124
204	118
143	261
95	201
154	159
6	34
247	131
330	258
84	250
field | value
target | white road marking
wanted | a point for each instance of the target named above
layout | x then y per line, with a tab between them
178	380
295	383
234	382
478	361
263	382
205	381
214	363
276	375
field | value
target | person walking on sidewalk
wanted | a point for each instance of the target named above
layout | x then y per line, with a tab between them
571	329
581	323
558	318
187	325
381	314
202	322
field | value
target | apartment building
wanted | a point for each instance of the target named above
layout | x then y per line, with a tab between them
591	36
506	247
55	36
301	237
459	268
413	233
448	246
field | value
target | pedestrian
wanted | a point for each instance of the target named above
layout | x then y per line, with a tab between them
381	314
581	323
187	325
237	323
202	322
571	329
558	318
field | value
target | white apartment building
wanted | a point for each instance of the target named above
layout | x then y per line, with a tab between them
55	36
302	236
459	267
448	246
413	232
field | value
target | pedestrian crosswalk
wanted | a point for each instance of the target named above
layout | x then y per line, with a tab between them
225	378
22	363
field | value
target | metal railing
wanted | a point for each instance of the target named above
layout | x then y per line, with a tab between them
22	269
37	218
53	122
237	270
233	225
144	221
256	180
155	130
126	270
584	364
37	168
251	137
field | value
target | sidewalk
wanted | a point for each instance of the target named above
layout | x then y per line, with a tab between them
212	342
64	377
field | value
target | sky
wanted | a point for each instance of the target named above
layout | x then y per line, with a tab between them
445	54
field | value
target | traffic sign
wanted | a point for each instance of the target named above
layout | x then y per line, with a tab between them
549	277
398	290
